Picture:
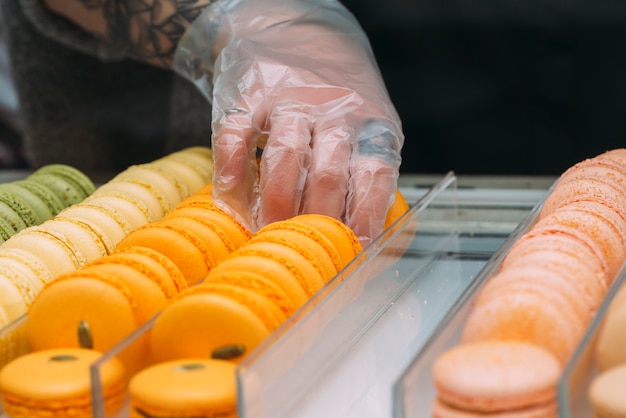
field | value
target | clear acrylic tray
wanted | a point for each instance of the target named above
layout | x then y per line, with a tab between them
414	393
342	352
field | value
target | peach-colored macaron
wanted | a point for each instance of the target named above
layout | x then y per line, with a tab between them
558	249
493	377
598	189
596	168
563	290
600	223
525	316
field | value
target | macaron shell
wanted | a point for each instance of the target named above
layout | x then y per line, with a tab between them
156	177
265	309
202	164
102	217
44	383
188	387
310	232
217	241
47	196
149	296
301	266
271	288
150	197
304	245
545	410
40	210
564	248
70	174
12	218
135	211
28	281
268	268
145	265
69	193
7	229
512	375
237	233
609	349
185	248
595	168
525	317
106	306
602	226
345	240
53	249
91	242
185	174
11	298
196	325
29	261
164	262
598	189
606	393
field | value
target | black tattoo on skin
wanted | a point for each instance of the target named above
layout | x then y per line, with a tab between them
148	30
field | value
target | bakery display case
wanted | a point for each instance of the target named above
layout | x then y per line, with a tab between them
342	353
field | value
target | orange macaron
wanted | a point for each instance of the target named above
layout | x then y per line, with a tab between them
57	382
216	320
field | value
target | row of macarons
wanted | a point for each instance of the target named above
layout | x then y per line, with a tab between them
219	280
40	196
93	222
243	298
531	314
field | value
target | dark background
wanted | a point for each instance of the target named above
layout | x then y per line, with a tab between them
501	86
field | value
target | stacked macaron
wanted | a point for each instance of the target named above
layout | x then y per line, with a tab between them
40	196
253	291
195	234
87	223
101	303
236	306
539	303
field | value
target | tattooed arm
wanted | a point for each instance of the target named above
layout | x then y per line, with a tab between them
149	31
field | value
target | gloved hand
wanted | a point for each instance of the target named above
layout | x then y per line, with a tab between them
297	79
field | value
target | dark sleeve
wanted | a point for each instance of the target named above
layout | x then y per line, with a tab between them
65	32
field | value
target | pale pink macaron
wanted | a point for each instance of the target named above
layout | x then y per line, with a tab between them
602	168
563	253
543	318
564	289
494	377
603	225
617	155
598	189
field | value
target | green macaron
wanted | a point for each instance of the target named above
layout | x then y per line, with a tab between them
43	193
69	174
70	184
40	209
21	207
6	229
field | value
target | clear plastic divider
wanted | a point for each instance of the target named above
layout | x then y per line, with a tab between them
413	392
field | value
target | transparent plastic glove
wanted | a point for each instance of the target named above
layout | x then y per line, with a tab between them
298	80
